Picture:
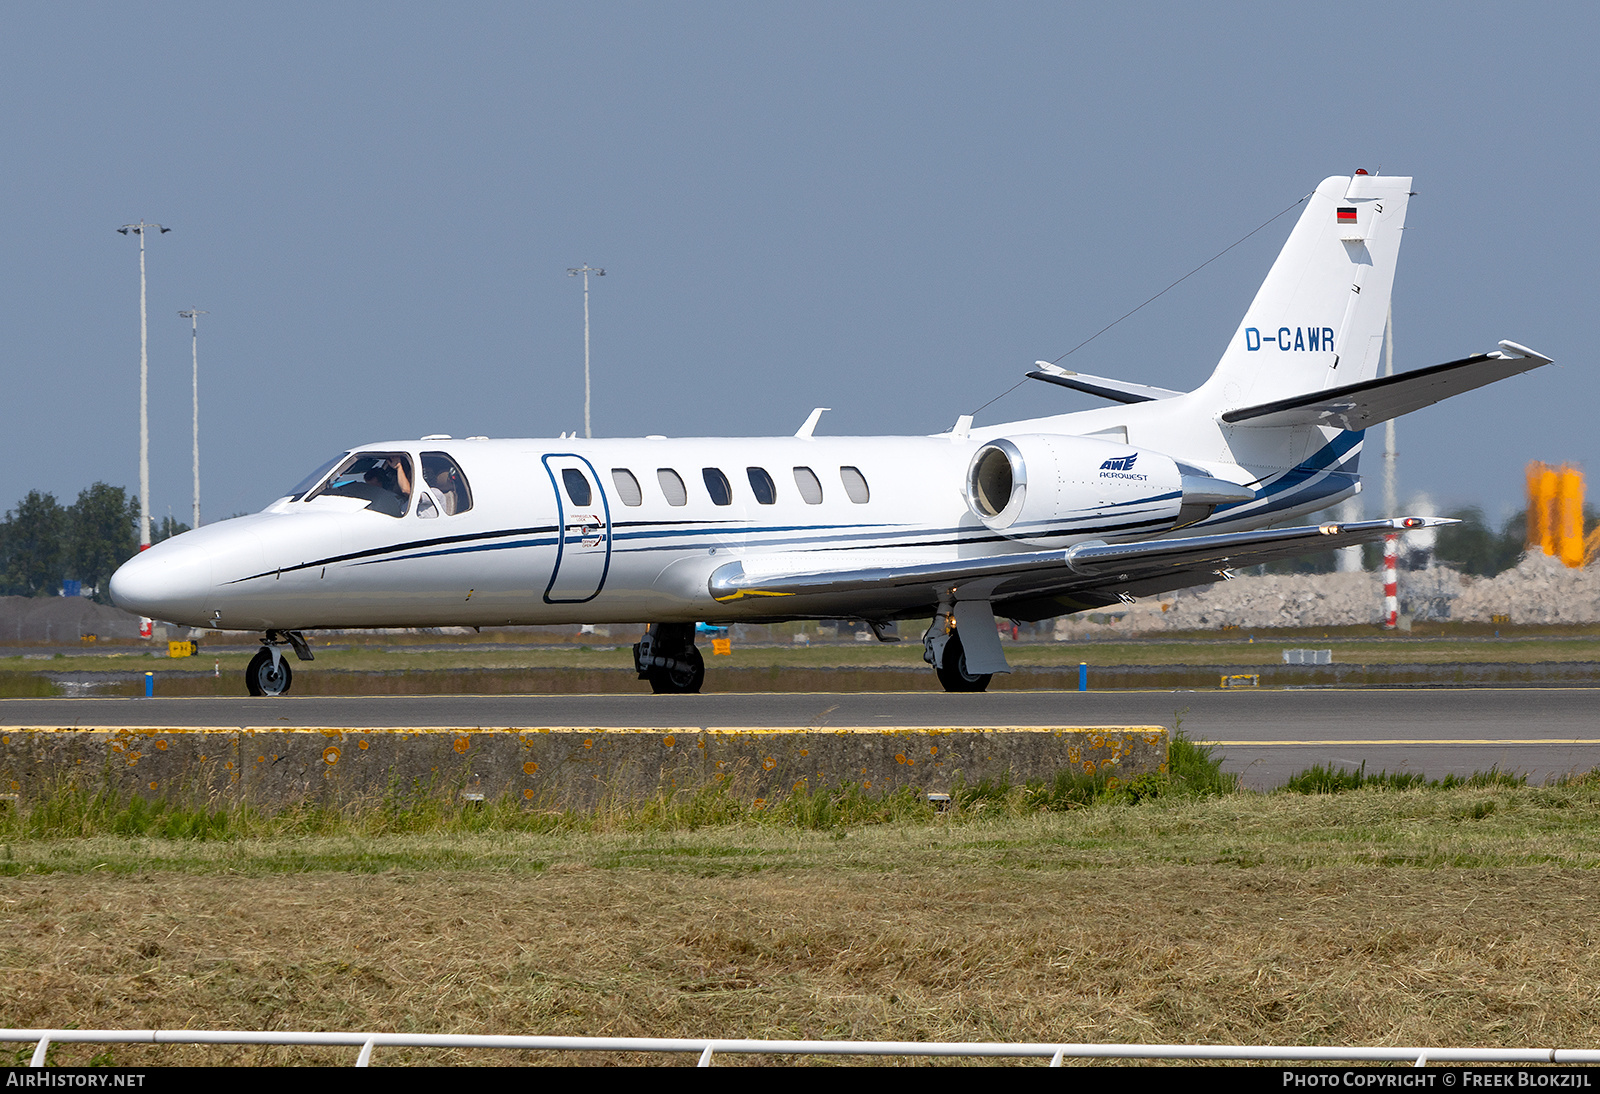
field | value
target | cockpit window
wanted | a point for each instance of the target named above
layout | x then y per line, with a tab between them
381	479
445	482
315	477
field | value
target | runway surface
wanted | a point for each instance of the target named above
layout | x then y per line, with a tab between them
1266	735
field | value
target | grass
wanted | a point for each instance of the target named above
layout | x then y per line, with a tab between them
1320	779
1351	646
1375	910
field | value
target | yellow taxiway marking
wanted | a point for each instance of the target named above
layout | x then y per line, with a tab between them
146	730
1424	741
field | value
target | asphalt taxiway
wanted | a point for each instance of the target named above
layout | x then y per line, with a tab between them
1266	735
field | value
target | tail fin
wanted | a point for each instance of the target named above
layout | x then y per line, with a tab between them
1318	319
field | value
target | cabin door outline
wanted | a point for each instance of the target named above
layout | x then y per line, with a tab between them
583	534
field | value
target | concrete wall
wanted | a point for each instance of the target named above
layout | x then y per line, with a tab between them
564	766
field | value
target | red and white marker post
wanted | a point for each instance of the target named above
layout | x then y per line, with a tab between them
1391	598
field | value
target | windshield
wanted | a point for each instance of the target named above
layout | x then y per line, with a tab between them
315	477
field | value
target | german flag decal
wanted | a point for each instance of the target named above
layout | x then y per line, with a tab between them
1347	214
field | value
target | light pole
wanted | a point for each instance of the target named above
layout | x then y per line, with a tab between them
139	230
193	315
585	270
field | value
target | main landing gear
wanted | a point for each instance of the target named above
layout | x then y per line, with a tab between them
941	648
666	656
269	673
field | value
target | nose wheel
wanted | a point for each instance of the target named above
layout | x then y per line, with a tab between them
267	674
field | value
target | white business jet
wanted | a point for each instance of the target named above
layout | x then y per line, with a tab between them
1032	519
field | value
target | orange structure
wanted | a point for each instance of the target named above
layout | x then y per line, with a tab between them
1555	512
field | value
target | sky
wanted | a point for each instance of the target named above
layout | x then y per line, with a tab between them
890	209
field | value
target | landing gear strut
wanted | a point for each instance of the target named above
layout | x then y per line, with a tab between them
269	673
666	656
941	648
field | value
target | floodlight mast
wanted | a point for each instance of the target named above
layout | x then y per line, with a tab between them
139	230
193	315
585	270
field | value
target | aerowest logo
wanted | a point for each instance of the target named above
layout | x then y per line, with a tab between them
1121	467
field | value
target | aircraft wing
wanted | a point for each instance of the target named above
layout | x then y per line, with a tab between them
1039	584
1357	406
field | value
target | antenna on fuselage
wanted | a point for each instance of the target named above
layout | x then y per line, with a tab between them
811	423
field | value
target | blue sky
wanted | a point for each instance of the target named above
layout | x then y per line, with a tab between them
889	209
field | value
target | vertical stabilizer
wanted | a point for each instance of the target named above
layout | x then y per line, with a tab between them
1318	319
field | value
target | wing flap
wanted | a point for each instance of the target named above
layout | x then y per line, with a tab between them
1357	406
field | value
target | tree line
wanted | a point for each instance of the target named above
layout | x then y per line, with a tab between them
44	544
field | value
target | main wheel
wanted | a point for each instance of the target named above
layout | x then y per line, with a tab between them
685	679
265	678
953	672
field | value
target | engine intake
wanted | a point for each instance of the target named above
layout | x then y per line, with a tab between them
1047	489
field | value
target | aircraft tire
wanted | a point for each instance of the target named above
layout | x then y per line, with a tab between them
680	681
262	679
953	673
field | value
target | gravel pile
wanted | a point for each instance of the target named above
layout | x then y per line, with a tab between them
1539	589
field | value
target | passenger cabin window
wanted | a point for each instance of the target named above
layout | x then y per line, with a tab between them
444	487
577	486
717	486
855	484
810	486
672	487
761	485
381	479
627	486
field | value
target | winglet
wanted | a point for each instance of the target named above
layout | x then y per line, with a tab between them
811	422
1511	349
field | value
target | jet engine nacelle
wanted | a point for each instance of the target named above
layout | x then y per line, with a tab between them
1044	488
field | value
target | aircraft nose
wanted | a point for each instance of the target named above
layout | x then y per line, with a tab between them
171	581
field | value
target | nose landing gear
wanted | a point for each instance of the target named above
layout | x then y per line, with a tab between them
269	673
666	656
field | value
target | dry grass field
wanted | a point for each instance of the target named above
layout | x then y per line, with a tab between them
1460	916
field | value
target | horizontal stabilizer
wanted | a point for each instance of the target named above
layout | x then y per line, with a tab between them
1118	391
1357	406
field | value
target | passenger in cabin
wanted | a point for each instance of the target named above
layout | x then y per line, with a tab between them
444	480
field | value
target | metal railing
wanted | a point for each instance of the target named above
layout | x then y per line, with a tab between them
707	1047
